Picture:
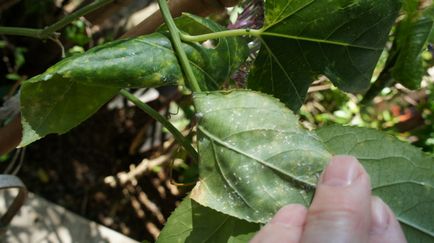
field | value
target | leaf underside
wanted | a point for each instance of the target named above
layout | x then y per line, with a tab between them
400	174
255	158
302	39
73	89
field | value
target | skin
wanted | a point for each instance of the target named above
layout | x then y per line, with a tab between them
343	210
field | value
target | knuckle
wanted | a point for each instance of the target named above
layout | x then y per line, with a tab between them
343	216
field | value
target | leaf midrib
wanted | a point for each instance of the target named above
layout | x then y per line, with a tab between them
265	163
217	229
316	40
265	31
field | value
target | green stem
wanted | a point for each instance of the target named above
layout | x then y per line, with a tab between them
71	17
221	34
176	41
35	33
157	116
385	78
50	31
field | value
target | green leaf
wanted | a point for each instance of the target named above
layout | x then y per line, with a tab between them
411	38
302	39
221	60
402	175
429	12
192	222
254	156
56	105
145	61
76	87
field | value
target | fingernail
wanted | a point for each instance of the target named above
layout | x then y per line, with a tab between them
379	216
341	171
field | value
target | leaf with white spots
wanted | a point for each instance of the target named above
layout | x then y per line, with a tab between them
302	39
192	223
402	175
73	89
254	156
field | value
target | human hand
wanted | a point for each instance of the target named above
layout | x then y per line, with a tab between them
342	210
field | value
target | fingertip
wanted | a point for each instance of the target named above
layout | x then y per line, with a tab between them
385	228
380	216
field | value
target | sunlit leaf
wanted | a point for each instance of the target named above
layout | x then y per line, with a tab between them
254	156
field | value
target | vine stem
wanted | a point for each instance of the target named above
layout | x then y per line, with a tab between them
176	41
221	34
385	78
50	31
157	116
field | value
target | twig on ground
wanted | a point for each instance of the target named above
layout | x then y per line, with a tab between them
136	172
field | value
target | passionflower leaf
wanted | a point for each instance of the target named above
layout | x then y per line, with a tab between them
402	175
254	156
302	39
412	36
73	89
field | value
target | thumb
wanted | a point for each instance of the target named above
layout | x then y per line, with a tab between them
340	211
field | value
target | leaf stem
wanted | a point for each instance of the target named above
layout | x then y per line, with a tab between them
28	32
157	116
385	78
71	17
221	34
50	31
176	41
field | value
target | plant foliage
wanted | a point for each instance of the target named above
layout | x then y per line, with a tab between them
254	156
76	87
412	36
261	159
303	39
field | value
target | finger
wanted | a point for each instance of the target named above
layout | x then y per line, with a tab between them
340	211
384	226
286	226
